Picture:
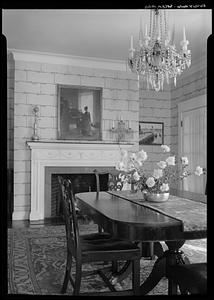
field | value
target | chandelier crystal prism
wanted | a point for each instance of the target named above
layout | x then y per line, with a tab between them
156	59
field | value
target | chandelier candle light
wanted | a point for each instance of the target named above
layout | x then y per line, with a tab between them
156	58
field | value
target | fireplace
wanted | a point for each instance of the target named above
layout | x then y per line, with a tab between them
48	157
82	182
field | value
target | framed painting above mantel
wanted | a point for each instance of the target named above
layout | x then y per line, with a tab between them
79	113
151	133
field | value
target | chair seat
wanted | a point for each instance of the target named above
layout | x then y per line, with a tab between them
95	236
191	277
103	245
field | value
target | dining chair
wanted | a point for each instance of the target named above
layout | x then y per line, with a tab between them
93	247
190	278
114	181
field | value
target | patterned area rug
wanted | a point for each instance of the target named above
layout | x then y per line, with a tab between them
36	262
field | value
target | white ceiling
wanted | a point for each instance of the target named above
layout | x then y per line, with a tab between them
97	33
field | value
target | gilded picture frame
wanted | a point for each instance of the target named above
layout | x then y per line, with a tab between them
79	113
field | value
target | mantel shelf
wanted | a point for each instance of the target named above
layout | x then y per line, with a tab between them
78	142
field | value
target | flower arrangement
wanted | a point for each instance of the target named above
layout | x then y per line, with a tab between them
132	171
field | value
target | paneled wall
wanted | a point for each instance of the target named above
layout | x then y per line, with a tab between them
35	83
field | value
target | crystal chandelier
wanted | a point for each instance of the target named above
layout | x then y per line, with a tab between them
156	58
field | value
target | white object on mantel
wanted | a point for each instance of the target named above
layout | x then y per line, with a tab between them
64	154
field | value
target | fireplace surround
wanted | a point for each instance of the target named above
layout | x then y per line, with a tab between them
83	180
60	157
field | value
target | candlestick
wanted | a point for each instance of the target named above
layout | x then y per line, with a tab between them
132	42
184	42
184	34
35	136
146	30
173	34
141	33
122	128
141	38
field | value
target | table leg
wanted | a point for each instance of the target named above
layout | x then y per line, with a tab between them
170	257
120	275
157	273
174	256
158	249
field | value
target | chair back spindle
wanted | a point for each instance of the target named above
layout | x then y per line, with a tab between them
69	211
114	181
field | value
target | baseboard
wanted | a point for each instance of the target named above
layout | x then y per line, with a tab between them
20	215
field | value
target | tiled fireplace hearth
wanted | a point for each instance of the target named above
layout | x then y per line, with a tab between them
59	157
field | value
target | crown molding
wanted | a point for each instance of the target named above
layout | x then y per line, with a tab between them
91	62
60	59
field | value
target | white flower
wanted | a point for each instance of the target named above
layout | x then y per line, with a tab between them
199	171
142	155
120	166
165	148
171	160
139	162
162	164
122	177
184	160
150	182
164	187
157	173
185	174
136	176
130	166
133	156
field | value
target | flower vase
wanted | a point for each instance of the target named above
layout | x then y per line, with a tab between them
153	197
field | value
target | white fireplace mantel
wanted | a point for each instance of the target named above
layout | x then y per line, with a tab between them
65	154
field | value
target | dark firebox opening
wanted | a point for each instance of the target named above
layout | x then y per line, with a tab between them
81	183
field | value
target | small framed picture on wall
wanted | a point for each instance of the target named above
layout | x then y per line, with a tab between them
151	133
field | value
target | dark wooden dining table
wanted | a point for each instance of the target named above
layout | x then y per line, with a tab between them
128	216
